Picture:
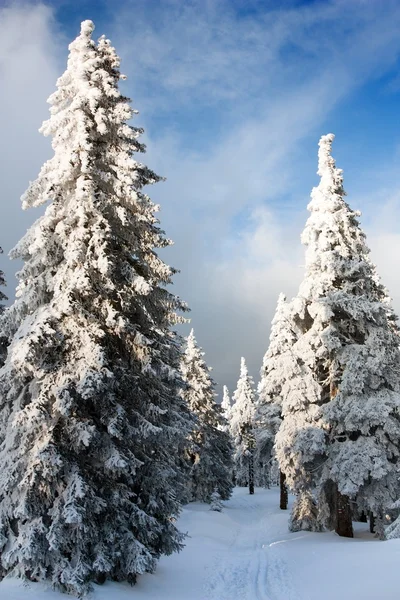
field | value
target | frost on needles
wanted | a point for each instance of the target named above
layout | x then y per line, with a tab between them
92	422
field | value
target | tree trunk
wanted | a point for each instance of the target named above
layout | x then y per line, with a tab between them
363	518
251	473
284	492
268	477
372	522
329	499
344	526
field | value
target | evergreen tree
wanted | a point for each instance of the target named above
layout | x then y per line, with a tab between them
345	433
3	339
92	420
216	502
300	439
304	515
242	428
211	450
275	365
226	407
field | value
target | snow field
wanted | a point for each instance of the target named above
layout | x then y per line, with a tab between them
247	553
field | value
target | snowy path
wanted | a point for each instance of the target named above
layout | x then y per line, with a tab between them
247	553
251	568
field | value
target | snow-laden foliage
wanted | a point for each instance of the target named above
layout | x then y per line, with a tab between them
3	339
304	515
242	425
226	407
92	420
210	451
292	384
216	502
300	440
341	409
276	363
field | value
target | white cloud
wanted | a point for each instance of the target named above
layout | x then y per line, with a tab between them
29	66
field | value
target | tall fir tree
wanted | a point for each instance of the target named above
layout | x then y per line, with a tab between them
3	338
210	452
242	428
276	363
226	408
92	419
346	432
300	439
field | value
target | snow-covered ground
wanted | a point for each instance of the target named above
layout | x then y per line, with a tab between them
246	553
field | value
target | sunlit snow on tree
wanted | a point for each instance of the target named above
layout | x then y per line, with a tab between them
341	430
242	428
92	421
210	450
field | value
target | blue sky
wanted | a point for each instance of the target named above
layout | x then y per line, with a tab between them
234	96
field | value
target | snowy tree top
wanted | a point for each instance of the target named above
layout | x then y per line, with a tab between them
200	394
326	163
226	401
243	367
87	28
244	394
328	195
191	339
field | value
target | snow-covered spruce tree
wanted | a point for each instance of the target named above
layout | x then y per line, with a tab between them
242	429
92	420
281	375
268	416
216	502
304	515
210	452
300	439
226	408
346	432
3	339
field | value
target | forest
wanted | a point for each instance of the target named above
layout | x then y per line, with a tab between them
112	432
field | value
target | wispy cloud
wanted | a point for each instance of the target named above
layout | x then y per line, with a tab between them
204	52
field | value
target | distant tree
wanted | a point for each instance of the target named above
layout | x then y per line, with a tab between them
211	450
226	407
216	503
92	420
341	409
275	365
242	428
3	339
